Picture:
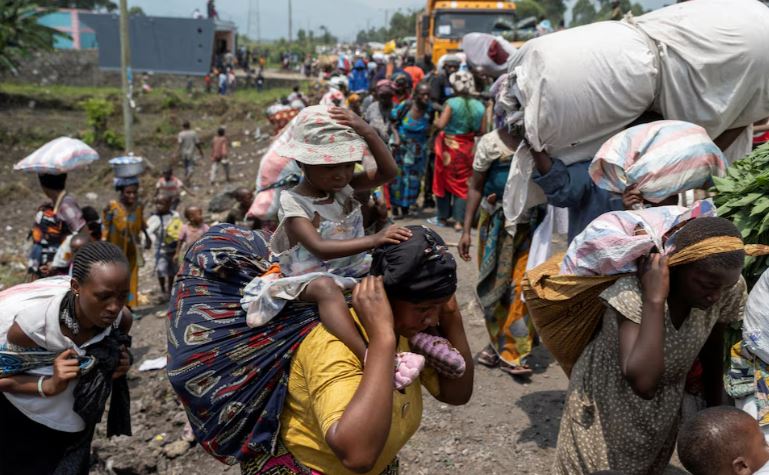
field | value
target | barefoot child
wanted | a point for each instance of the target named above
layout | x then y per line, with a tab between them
320	240
164	227
191	230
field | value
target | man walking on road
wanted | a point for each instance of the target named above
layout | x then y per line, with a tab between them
188	142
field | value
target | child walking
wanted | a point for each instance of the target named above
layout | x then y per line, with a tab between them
191	231
220	151
170	186
320	241
164	226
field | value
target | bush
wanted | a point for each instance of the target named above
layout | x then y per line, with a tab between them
98	111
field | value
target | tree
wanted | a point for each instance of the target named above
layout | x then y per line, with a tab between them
583	13
401	24
301	35
326	38
529	8
82	4
21	34
135	11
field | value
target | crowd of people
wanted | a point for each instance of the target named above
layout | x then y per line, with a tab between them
335	386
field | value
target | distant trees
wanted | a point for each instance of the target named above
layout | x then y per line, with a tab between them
401	24
585	11
20	33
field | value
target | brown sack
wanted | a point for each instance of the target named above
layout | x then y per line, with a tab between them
565	309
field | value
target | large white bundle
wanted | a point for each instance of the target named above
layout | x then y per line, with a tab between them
487	53
703	62
713	60
578	87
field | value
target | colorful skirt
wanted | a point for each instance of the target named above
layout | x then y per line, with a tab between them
231	379
502	261
411	159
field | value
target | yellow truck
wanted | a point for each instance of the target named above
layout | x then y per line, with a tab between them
442	25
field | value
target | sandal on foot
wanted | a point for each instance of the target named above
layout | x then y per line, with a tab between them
435	221
515	370
488	357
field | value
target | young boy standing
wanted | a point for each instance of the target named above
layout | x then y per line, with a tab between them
164	227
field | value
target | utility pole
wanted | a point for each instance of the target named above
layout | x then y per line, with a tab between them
258	23
248	23
125	73
289	21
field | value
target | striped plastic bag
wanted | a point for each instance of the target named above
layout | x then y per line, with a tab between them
614	241
663	158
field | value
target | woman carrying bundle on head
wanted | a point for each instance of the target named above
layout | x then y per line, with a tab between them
626	388
123	223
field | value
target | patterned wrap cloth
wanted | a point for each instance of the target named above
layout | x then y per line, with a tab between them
231	379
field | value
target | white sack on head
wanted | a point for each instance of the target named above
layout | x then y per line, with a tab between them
714	62
487	53
579	86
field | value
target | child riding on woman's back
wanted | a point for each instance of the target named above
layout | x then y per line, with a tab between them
320	242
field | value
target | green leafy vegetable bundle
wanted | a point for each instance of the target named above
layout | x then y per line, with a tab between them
743	197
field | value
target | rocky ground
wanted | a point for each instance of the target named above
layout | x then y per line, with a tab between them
510	425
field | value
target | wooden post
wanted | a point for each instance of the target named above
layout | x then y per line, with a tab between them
125	66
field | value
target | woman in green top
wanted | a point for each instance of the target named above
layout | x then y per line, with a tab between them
460	122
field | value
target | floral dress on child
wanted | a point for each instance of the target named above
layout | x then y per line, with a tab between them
266	295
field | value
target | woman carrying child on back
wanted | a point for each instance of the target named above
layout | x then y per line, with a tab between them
320	242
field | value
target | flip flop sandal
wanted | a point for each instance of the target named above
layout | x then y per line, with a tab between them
488	357
513	370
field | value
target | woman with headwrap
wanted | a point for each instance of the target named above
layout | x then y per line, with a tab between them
403	87
623	407
56	219
502	258
412	122
378	112
123	221
297	399
460	122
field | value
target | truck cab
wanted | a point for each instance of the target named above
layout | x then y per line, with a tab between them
443	24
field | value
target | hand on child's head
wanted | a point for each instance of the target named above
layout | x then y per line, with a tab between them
393	235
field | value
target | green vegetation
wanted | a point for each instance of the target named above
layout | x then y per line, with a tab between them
401	24
743	197
20	33
584	11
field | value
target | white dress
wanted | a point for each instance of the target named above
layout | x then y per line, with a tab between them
265	296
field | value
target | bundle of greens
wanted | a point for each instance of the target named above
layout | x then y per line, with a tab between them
742	196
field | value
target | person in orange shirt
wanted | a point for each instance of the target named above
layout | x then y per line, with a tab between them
414	71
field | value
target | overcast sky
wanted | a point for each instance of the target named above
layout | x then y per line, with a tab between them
344	18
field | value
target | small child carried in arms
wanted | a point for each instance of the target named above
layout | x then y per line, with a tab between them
723	440
320	241
191	231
